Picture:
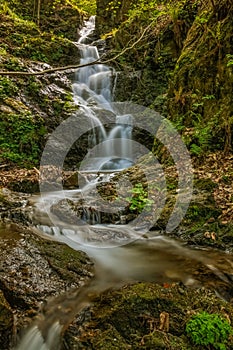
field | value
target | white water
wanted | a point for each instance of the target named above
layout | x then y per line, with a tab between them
93	89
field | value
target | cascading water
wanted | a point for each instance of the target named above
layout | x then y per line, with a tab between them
93	88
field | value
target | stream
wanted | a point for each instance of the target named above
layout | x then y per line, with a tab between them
123	253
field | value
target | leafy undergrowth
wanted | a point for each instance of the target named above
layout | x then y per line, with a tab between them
23	38
208	220
209	329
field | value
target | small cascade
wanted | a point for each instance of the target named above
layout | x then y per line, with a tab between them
91	216
92	90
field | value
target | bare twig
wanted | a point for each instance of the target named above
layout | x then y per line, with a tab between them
132	46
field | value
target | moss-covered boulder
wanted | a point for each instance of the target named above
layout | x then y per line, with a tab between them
58	17
143	316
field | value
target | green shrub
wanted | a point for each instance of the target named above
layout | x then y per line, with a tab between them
7	87
209	329
139	199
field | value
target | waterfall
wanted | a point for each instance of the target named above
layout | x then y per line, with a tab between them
92	89
133	256
109	150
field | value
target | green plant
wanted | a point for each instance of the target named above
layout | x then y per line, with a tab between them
209	329
202	134
88	6
139	199
229	60
7	87
208	97
203	18
13	64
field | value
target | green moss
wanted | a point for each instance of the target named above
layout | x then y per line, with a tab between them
66	261
7	87
23	38
109	339
205	184
160	340
60	17
20	135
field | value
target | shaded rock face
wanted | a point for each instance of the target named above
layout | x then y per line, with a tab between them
202	82
32	271
184	71
151	61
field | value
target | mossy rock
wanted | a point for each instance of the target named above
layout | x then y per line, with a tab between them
129	318
162	341
68	263
60	17
204	184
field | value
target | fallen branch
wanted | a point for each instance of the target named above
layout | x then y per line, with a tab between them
70	67
50	70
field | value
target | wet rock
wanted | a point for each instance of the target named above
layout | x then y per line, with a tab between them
12	205
90	211
6	322
71	180
32	271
